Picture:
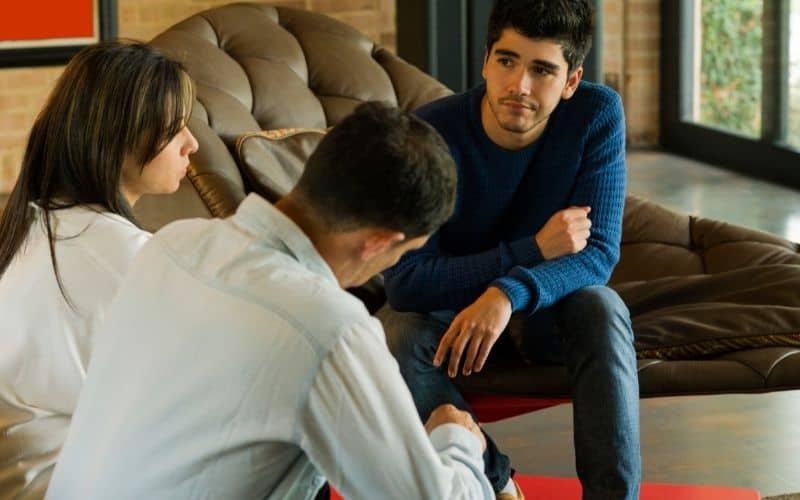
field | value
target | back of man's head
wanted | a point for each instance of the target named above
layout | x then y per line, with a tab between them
568	22
380	167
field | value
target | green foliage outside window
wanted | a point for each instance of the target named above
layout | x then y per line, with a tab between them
731	65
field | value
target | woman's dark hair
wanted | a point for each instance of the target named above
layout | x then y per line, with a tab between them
115	100
381	167
569	22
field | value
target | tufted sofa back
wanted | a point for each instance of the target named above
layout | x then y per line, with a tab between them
258	67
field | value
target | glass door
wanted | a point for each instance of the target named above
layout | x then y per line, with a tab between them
731	84
794	75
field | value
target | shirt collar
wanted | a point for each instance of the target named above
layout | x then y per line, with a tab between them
273	227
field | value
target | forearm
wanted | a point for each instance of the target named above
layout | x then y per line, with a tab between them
531	289
427	282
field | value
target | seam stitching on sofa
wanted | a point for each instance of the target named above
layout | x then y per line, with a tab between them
213	208
203	16
700	345
693	245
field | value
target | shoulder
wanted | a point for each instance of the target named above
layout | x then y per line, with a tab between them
221	255
110	239
596	102
446	111
598	94
594	112
324	311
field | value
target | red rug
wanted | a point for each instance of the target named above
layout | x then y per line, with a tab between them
560	488
492	407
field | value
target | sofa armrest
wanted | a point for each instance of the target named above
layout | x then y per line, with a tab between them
658	242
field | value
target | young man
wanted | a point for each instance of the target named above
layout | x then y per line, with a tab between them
536	232
233	365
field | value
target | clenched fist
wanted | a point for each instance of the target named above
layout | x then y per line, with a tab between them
565	233
449	414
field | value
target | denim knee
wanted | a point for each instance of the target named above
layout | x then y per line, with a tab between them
409	333
596	315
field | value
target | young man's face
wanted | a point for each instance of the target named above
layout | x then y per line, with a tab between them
525	80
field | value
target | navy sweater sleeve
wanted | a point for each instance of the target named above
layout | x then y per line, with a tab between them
430	280
600	185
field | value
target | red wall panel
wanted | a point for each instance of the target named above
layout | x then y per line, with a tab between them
43	19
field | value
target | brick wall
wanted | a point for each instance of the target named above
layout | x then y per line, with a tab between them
24	90
630	60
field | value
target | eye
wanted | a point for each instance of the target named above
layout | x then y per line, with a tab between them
505	62
542	71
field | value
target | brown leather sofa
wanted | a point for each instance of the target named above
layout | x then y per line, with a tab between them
715	307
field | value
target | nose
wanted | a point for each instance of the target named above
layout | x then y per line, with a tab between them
190	145
522	82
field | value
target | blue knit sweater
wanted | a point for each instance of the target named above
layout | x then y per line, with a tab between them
505	197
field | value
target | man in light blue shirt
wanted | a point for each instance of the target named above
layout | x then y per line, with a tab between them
233	365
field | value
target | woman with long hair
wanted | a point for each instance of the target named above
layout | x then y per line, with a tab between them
113	129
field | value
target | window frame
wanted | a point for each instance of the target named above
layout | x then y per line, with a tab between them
767	157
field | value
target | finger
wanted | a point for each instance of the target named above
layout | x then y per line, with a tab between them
483	354
582	224
456	350
575	213
445	343
578	227
472	352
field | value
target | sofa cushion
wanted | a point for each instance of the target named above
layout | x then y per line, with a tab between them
658	243
700	316
272	161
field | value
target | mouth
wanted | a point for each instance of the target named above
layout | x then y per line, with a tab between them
517	105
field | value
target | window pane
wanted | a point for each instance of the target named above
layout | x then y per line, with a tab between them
794	74
728	60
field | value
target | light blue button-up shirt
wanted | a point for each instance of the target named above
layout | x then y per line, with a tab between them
232	365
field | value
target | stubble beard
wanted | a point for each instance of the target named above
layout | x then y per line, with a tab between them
517	128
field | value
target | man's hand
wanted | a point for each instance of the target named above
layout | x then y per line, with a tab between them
479	325
565	233
449	414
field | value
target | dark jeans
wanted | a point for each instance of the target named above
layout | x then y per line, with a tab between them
590	331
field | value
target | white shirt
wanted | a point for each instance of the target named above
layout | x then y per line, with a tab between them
46	342
232	365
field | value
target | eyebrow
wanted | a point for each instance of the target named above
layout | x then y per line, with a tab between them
540	62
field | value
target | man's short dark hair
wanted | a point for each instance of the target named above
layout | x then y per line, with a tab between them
381	167
569	22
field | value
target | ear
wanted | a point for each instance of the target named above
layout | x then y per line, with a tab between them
485	61
572	83
378	241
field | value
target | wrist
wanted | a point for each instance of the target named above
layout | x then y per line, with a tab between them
539	243
499	295
517	292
